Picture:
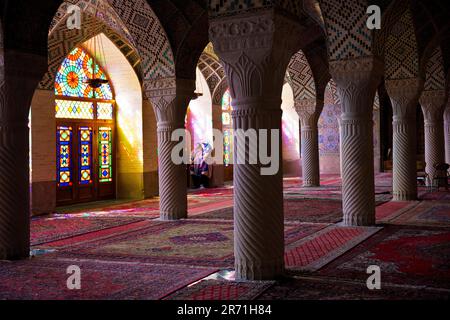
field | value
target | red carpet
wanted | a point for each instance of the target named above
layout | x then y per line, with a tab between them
189	242
222	290
428	213
387	211
303	210
406	255
50	229
315	251
42	279
320	288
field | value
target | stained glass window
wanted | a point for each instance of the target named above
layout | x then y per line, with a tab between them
227	128
105	111
105	154
64	156
69	109
75	70
85	155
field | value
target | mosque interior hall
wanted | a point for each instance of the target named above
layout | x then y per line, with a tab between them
224	150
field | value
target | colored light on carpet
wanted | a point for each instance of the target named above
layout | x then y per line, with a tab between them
43	279
406	255
315	251
222	290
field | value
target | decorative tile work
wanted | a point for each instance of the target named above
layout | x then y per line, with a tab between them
331	95
214	74
328	126
62	40
141	27
435	72
401	55
348	36
226	7
301	77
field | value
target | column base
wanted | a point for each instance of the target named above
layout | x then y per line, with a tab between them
170	216
253	270
403	196
359	220
310	184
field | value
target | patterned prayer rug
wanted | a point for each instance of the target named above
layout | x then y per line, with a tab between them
436	195
304	210
320	288
148	208
95	235
406	255
426	213
222	290
42	279
50	229
188	242
390	210
313	252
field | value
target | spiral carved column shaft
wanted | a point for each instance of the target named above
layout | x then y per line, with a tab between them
404	96
447	134
172	179
433	104
258	203
170	99
357	81
309	112
255	50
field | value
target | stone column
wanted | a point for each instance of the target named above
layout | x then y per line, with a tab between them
433	104
255	50
19	76
357	80
170	99
447	133
404	96
309	112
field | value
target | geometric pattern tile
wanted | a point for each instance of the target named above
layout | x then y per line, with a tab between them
401	55
135	21
435	71
225	7
348	36
62	40
301	77
214	74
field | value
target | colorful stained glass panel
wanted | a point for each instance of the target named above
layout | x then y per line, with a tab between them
85	155
64	156
105	111
105	154
67	109
72	76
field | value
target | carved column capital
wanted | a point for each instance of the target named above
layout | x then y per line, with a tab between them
447	114
433	104
404	94
255	50
170	98
357	80
308	111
